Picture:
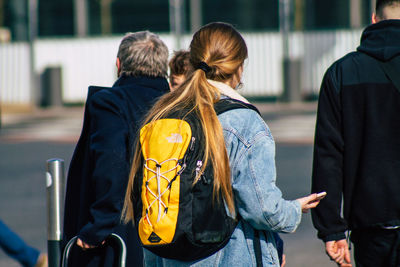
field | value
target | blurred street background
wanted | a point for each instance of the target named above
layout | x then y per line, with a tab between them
50	51
28	140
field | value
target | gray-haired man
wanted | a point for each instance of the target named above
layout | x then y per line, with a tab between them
100	166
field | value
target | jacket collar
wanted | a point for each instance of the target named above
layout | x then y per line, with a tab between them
228	91
158	83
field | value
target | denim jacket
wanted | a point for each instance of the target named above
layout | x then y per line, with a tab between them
251	151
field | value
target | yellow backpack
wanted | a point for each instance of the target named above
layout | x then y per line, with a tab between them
174	215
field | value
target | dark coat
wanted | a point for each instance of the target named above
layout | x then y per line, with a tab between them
100	166
356	151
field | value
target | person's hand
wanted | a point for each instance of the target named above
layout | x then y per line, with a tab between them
85	245
283	260
338	251
308	202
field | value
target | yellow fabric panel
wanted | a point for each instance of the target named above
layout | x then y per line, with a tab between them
163	142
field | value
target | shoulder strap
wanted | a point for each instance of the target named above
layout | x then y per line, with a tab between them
392	68
257	248
227	104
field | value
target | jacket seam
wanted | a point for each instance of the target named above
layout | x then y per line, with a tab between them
257	189
247	146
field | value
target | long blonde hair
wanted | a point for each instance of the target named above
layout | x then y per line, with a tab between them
224	50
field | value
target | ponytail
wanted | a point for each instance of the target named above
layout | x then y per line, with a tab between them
216	52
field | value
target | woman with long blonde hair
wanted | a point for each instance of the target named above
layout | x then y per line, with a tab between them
240	148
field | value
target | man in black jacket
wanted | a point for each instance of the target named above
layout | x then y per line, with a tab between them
357	147
100	166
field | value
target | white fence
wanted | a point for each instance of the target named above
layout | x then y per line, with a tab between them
91	61
15	73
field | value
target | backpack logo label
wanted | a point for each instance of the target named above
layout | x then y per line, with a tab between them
154	238
174	138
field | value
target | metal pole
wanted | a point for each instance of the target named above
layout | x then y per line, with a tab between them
106	16
373	3
284	30
55	182
291	68
355	14
175	21
196	14
178	23
33	29
81	20
299	15
284	23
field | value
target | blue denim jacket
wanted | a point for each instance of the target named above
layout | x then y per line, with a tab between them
251	151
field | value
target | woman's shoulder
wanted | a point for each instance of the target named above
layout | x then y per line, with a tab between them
246	124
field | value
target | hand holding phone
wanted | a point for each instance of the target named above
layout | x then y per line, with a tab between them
310	201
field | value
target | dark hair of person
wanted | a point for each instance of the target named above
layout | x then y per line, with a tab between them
179	63
381	4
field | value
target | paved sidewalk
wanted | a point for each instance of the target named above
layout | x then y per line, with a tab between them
289	123
61	124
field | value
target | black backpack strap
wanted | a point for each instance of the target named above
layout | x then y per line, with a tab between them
392	70
227	104
220	107
257	248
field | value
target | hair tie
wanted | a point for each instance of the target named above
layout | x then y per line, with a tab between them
204	67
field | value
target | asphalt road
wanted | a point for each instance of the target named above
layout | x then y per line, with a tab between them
23	193
23	190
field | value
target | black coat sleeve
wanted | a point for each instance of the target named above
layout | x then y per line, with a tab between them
328	160
108	145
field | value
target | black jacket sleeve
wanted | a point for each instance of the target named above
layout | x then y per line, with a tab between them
328	160
108	145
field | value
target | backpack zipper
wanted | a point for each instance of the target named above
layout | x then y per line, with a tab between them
192	143
198	169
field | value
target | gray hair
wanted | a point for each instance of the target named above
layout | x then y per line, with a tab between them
143	54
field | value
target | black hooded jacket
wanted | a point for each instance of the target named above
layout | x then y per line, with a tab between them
357	139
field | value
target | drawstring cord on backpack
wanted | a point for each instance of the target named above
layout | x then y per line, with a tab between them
159	175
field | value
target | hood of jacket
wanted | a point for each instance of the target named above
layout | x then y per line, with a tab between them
381	40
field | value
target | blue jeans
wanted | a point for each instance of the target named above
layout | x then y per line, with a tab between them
16	248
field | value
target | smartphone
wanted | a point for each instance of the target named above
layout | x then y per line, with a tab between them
321	195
